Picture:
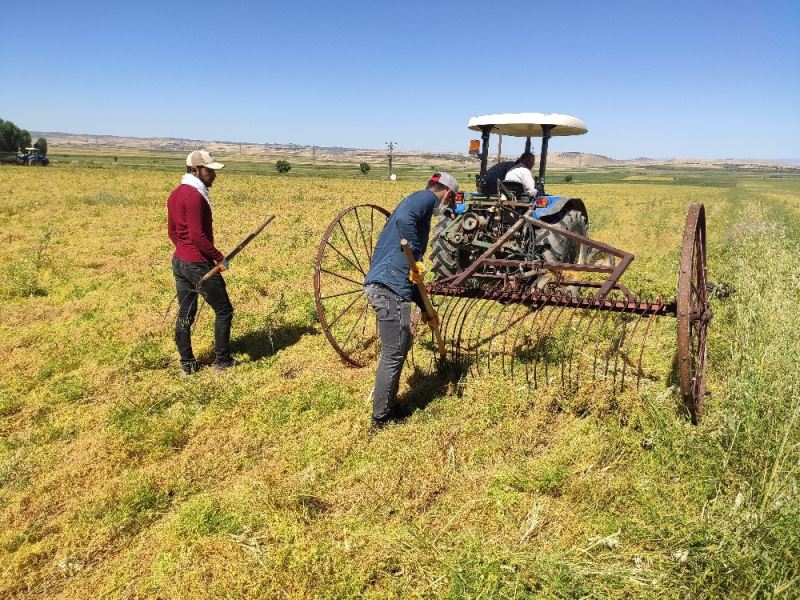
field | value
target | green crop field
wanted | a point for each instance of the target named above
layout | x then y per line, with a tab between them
120	479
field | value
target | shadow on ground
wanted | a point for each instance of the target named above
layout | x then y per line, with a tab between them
426	386
262	343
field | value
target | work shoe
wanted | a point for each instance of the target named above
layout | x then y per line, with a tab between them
401	412
377	424
189	367
396	415
221	366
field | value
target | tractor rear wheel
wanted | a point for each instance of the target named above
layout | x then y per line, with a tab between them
444	254
553	247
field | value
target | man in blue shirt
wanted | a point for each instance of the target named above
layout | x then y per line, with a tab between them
390	290
500	171
495	174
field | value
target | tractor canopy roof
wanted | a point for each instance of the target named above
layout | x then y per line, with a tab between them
529	124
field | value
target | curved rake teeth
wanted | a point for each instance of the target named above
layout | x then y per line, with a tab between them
461	353
473	343
538	340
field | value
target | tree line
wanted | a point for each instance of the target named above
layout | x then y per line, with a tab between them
14	139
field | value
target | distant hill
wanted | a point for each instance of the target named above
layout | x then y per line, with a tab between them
270	150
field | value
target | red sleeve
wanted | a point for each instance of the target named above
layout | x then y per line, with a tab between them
171	228
200	230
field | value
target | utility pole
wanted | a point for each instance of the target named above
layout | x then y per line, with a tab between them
391	149
499	147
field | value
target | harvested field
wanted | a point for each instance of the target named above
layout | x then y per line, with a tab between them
120	479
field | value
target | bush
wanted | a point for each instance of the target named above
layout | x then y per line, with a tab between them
364	166
12	138
41	144
283	166
568	178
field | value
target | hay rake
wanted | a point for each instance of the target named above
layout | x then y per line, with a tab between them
566	331
506	309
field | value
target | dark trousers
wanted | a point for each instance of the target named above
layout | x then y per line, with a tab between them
215	293
394	327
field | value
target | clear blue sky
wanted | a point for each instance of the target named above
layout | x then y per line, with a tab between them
711	79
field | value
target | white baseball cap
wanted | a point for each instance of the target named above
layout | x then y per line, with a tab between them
447	180
202	158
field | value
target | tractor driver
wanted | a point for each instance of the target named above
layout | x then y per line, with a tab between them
496	173
521	173
390	289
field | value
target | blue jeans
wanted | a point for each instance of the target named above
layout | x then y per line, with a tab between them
216	294
394	327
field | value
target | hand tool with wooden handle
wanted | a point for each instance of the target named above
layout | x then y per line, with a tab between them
236	250
429	310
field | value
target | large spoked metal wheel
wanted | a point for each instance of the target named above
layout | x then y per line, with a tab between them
694	312
343	259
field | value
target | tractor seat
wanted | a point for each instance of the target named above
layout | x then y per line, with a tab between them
512	189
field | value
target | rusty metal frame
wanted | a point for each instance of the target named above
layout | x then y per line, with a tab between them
536	311
611	282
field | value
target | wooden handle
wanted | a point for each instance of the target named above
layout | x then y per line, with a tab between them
426	301
207	276
236	250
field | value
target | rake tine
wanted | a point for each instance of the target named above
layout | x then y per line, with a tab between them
601	328
565	339
625	357
474	343
551	333
576	336
542	334
587	335
511	323
493	336
492	324
446	318
533	312
517	331
540	316
624	321
478	343
467	342
470	305
650	321
454	322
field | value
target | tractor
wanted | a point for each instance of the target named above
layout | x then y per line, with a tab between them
520	288
33	157
480	218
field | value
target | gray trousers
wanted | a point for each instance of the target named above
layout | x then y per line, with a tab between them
394	327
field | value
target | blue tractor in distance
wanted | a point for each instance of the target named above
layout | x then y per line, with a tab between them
33	158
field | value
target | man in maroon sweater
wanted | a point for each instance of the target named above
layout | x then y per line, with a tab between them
190	229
